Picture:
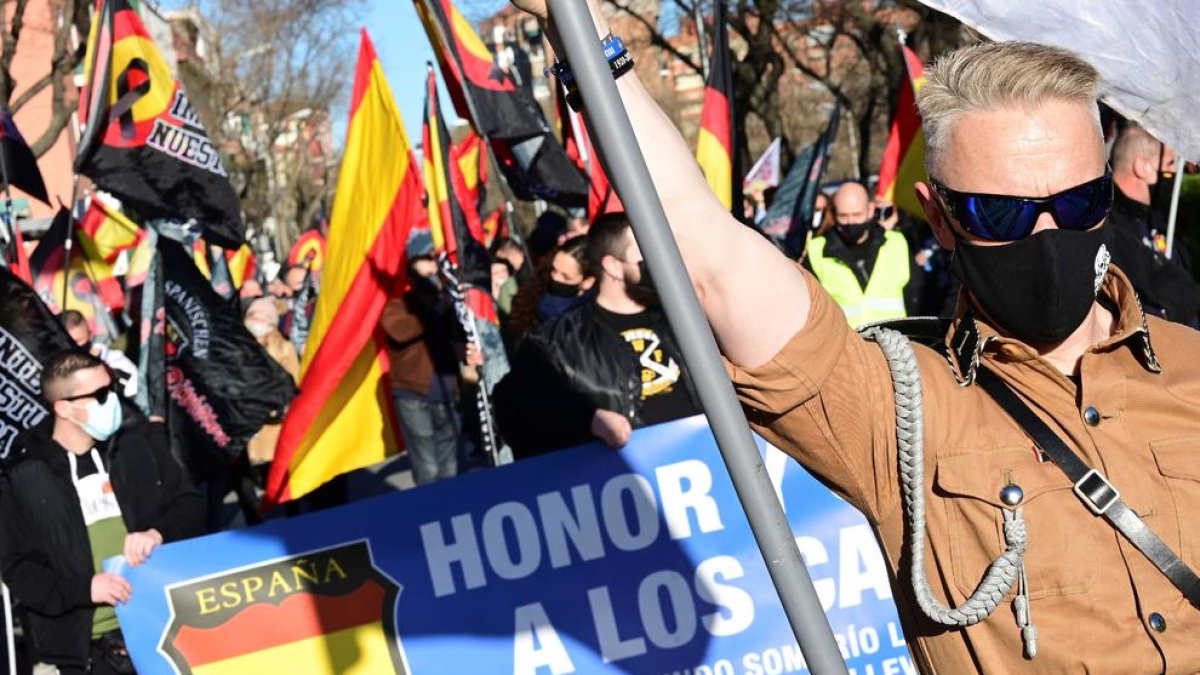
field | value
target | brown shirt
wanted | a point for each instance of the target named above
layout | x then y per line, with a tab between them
826	398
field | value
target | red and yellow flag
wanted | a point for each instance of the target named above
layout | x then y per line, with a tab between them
342	419
109	230
715	146
904	155
308	251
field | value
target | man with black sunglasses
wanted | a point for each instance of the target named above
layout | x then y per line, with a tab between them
1020	192
94	480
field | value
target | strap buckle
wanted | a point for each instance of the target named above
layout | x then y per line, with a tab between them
1096	492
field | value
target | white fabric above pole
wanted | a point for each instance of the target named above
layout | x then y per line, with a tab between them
1147	52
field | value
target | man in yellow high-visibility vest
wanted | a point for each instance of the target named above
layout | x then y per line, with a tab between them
867	269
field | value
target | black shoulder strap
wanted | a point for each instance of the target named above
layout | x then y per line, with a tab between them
1093	488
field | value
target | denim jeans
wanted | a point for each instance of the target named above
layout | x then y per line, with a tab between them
431	437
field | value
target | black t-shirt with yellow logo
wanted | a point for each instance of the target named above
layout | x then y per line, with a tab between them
664	390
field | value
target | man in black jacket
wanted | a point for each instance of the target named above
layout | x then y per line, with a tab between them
1164	285
602	369
95	480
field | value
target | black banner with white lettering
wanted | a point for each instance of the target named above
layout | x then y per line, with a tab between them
29	335
144	141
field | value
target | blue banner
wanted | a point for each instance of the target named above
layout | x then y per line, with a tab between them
583	561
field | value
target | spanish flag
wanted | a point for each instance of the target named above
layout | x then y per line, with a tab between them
143	141
715	150
904	155
110	232
342	419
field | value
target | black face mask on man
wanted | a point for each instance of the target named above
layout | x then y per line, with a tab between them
1038	289
852	233
642	291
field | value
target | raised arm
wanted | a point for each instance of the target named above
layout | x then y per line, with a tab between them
754	297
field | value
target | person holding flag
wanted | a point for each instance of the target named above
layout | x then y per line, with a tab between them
1050	369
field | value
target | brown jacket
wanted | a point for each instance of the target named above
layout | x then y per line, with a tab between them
827	399
261	448
411	364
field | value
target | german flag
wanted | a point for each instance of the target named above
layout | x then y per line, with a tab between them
449	223
325	611
533	163
479	88
109	230
308	251
342	419
715	149
240	265
86	281
904	155
468	168
144	141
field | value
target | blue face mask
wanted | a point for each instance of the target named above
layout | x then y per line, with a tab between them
103	419
552	306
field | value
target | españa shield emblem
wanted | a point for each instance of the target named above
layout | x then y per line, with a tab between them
325	611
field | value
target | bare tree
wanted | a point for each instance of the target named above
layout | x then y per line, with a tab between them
283	66
847	48
70	22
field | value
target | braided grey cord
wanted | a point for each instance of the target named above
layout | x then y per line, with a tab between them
910	441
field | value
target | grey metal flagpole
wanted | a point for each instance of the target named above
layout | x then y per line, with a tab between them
627	168
1180	165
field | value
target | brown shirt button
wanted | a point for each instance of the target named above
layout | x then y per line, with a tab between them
1091	416
1157	622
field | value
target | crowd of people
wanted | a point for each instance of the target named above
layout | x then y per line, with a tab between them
580	351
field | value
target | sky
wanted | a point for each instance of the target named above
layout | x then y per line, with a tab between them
403	50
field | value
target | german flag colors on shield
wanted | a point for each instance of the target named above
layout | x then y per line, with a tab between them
342	419
715	145
328	611
904	155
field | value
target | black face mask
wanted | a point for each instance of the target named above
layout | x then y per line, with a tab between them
851	233
560	290
1038	289
643	292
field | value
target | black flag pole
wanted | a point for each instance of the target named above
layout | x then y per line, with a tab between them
628	170
8	237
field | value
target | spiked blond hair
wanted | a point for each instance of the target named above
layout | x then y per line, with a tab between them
998	74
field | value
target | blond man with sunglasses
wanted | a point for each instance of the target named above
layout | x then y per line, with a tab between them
1019	191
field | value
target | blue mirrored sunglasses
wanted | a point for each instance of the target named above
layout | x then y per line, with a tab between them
1008	218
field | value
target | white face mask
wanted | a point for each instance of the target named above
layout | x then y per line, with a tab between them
258	329
103	419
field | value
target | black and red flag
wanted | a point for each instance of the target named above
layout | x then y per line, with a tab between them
449	224
480	89
221	385
20	166
533	162
716	149
602	197
144	141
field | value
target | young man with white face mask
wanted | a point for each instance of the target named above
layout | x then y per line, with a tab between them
93	481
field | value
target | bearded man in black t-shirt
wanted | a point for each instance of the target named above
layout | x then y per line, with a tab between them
602	369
